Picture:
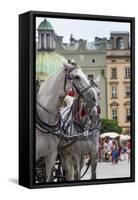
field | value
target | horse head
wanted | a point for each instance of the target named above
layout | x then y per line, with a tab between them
94	118
77	80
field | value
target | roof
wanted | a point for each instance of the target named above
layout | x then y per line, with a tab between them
48	63
119	32
45	25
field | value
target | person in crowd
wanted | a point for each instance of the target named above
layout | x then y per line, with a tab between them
128	149
119	143
114	153
119	151
100	150
125	151
105	147
109	148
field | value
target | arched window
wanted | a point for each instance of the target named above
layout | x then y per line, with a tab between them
42	41
115	114
120	43
47	40
114	111
128	115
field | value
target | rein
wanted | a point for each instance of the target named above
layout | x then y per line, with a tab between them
45	109
57	129
88	165
48	130
67	77
83	91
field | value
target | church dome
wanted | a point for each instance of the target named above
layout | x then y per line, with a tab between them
48	63
45	26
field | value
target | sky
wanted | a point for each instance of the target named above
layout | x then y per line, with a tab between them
84	29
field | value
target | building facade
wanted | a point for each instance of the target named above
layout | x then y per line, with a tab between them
106	61
91	57
51	53
48	61
118	79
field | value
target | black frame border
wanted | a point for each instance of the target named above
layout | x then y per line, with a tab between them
27	98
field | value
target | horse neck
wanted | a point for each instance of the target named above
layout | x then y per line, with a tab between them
51	95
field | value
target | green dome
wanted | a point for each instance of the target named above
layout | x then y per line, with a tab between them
45	26
48	63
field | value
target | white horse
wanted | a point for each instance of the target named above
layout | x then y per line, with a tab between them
73	153
48	101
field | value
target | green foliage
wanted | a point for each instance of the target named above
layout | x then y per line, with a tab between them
109	125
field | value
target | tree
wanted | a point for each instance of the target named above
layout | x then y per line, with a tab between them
109	125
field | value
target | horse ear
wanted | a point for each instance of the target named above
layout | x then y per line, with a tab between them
72	61
97	80
70	64
67	66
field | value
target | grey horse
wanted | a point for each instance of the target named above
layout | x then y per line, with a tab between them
48	101
73	153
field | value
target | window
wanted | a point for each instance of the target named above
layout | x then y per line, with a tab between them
114	114
113	73
114	92
120	43
42	40
127	91
91	76
93	60
128	116
127	72
48	40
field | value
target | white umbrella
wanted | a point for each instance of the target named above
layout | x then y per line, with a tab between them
109	134
124	137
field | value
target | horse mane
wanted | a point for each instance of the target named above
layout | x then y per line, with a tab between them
51	76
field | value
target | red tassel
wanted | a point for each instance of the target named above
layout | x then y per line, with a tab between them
98	110
71	93
82	112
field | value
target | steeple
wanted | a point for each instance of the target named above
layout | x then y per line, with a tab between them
46	36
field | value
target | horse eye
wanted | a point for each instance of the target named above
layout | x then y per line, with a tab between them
77	77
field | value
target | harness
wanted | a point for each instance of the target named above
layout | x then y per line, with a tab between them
46	128
57	129
85	131
77	121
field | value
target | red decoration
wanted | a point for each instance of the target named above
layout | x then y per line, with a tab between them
98	109
71	93
82	112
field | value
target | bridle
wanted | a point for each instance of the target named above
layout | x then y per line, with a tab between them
68	78
88	131
93	83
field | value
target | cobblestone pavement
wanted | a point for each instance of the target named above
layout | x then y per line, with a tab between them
109	170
